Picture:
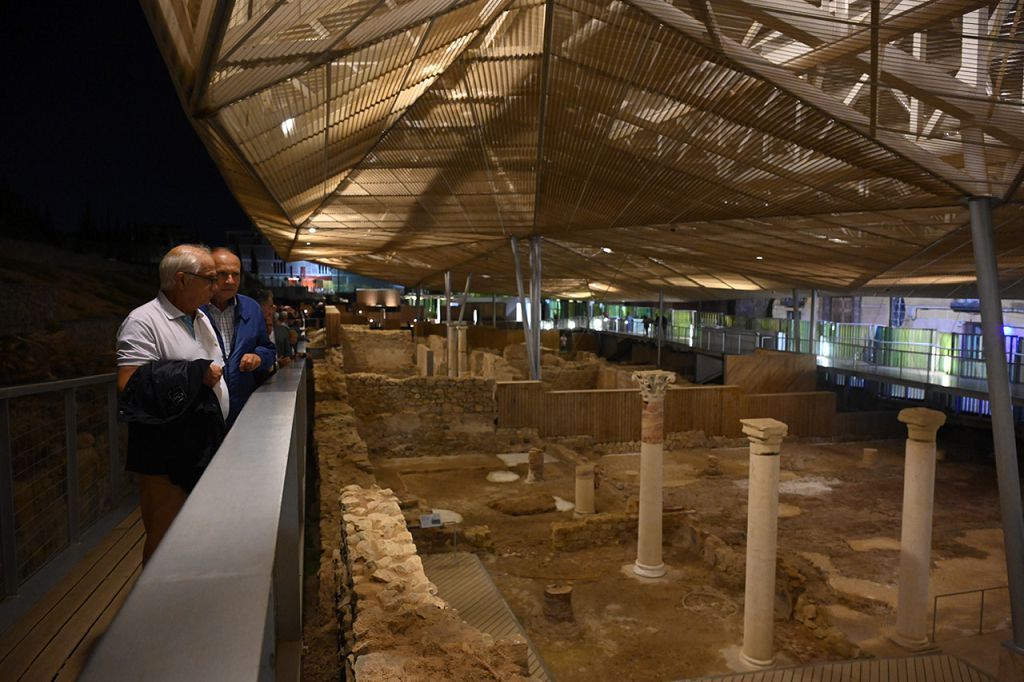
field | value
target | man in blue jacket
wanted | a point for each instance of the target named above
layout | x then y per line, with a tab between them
238	320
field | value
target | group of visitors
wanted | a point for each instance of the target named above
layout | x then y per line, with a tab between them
188	360
283	326
658	321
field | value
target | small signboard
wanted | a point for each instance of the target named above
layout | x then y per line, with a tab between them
430	521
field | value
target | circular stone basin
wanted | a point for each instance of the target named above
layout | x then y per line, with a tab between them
502	476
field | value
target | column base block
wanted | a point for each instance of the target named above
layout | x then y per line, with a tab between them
756	663
914	645
645	571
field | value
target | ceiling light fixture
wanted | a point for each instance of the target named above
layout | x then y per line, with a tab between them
288	126
606	249
312	230
759	257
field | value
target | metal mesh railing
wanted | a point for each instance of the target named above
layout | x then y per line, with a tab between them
38	463
60	469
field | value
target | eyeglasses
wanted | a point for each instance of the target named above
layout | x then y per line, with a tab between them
210	280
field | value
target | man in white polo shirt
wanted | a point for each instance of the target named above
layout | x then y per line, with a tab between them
171	327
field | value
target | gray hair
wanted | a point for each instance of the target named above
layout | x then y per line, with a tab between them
182	258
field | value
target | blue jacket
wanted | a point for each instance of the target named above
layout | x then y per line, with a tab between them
250	337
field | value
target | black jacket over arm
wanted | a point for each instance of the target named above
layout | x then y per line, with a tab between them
175	424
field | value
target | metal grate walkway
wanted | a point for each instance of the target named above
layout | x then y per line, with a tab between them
464	583
930	668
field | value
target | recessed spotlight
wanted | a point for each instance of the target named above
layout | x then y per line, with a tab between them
759	257
486	276
312	230
606	249
308	243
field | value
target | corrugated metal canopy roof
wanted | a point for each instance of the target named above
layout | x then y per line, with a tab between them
403	138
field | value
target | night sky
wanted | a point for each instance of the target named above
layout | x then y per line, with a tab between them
91	118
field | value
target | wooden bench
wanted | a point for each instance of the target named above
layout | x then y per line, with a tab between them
54	638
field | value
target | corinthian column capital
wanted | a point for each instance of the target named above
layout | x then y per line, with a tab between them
654	383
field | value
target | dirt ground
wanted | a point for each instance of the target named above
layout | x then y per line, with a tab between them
839	526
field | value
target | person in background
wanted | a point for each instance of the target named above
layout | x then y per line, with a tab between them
241	330
172	389
276	329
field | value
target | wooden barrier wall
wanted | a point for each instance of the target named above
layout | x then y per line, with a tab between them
480	336
771	372
806	414
613	415
715	410
875	424
519	403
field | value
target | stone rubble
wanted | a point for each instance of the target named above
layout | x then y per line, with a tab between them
395	627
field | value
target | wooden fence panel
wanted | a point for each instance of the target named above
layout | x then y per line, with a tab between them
711	409
874	424
520	403
606	415
806	414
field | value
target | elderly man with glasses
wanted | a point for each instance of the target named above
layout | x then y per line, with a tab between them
173	392
249	354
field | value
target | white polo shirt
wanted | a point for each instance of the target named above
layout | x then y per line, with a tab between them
159	331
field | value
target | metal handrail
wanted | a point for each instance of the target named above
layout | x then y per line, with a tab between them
8	536
221	598
981	610
970	362
23	390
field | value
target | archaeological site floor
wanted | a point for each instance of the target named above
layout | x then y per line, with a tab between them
838	544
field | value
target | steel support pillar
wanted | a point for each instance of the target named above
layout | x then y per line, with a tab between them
660	331
465	297
535	300
796	321
814	322
522	303
447	296
1002	410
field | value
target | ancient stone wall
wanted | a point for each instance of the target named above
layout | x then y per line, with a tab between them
342	460
377	350
394	626
487	365
422	415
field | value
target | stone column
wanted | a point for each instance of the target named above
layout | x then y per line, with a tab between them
584	489
916	528
535	472
452	350
765	437
424	361
653	385
463	345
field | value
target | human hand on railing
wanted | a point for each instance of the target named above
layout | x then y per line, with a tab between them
213	374
249	362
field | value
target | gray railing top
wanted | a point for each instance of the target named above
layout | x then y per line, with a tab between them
48	386
203	608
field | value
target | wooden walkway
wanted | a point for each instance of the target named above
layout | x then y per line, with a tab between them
464	583
928	668
52	641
